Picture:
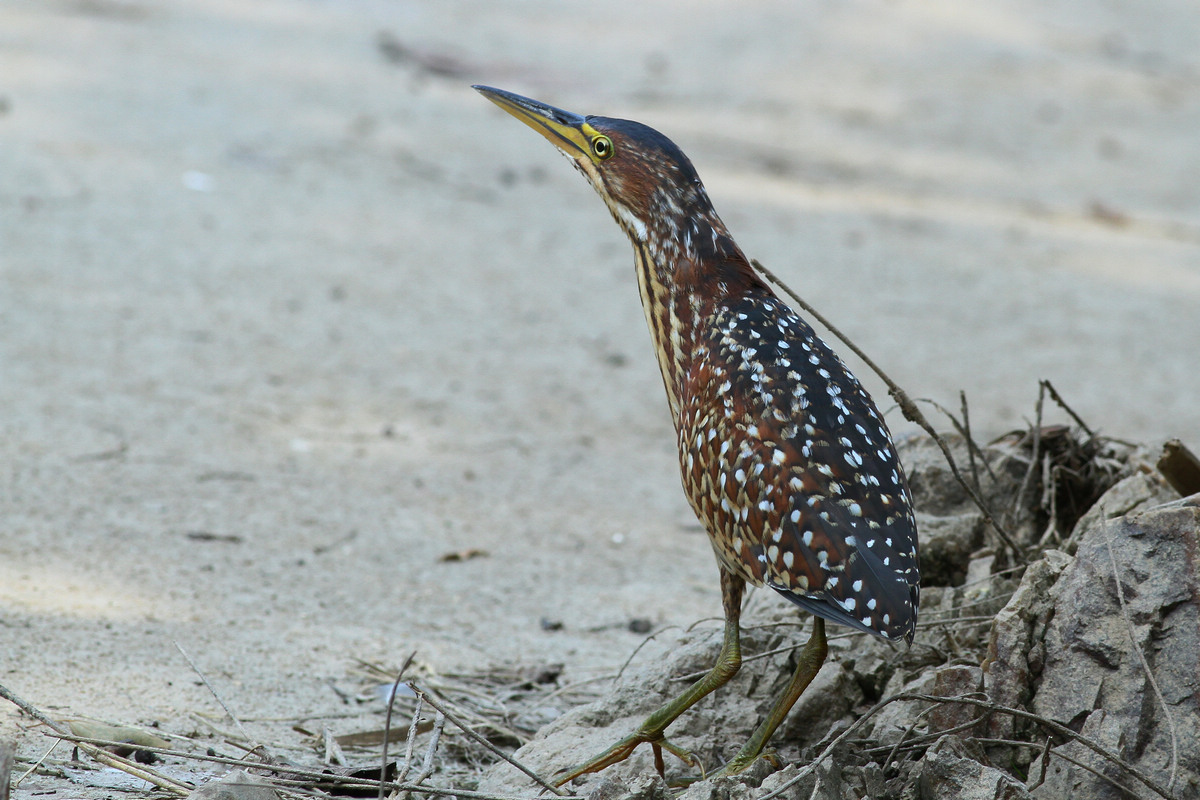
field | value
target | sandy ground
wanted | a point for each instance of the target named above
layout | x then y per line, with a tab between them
288	312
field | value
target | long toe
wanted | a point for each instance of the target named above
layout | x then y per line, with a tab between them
623	750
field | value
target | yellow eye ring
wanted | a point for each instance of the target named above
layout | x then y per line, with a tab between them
602	147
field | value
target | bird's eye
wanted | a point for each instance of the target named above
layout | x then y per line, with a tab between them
602	147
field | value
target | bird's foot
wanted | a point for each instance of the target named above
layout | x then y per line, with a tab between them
744	760
623	750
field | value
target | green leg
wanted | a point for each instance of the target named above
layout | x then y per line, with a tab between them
651	731
809	664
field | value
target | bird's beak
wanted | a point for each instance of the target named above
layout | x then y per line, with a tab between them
566	131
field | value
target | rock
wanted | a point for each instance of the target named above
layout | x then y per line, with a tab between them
800	790
1091	653
1138	492
648	786
1064	779
829	698
236	785
951	527
946	546
1014	656
955	681
952	771
908	718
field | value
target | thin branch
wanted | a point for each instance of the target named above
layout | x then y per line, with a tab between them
1045	762
1063	405
1050	500
562	690
38	763
1027	480
109	759
1046	752
255	744
918	742
1051	725
908	408
435	736
411	744
1054	727
309	776
483	740
964	430
387	721
638	649
829	748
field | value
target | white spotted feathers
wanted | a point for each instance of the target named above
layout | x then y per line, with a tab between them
789	463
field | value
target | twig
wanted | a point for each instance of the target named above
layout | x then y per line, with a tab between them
411	744
1050	500
829	748
956	621
387	722
1112	558
255	744
38	763
1045	764
137	770
1048	751
931	735
920	741
435	736
1063	405
482	740
1002	598
573	686
638	649
308	775
908	408
1027	480
904	735
442	689
963	429
966	424
1054	727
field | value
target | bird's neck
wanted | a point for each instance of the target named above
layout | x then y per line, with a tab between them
685	275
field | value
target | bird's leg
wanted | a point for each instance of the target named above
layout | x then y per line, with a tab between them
809	664
651	731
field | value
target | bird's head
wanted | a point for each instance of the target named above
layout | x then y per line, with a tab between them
649	185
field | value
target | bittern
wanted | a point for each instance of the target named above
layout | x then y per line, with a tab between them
784	457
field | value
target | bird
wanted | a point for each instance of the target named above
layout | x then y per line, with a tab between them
784	457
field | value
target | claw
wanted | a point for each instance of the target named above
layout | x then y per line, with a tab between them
623	750
651	731
741	762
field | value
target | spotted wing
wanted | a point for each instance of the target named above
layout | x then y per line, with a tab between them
793	471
